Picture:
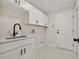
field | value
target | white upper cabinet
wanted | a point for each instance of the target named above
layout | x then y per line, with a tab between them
34	16
13	1
21	3
8	9
37	17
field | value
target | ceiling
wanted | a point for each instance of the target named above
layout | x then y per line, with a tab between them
49	6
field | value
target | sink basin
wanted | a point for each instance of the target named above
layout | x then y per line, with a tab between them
15	37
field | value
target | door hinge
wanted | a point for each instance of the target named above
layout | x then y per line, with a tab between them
77	9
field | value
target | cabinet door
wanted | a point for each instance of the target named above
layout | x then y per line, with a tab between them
46	20
33	19
23	4
28	52
10	55
37	17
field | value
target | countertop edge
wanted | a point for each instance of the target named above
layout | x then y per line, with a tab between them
10	41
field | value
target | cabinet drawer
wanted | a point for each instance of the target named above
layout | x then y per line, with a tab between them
27	41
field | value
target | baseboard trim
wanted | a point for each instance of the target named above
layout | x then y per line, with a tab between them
65	49
52	45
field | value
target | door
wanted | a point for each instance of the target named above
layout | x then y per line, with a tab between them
76	27
64	30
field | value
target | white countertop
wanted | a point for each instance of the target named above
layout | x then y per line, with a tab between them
4	40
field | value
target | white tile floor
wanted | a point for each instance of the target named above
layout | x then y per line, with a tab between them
53	53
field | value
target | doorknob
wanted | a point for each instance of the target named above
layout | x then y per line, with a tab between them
57	31
76	40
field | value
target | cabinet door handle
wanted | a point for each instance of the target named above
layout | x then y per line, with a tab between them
24	50
21	52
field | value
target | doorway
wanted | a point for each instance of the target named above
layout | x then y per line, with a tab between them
64	30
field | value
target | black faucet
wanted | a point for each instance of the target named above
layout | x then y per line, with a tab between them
14	33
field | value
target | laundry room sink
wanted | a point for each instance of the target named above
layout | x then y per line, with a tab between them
16	37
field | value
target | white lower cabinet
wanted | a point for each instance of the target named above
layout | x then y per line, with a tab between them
23	49
28	52
21	53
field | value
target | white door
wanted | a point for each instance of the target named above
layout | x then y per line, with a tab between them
64	30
